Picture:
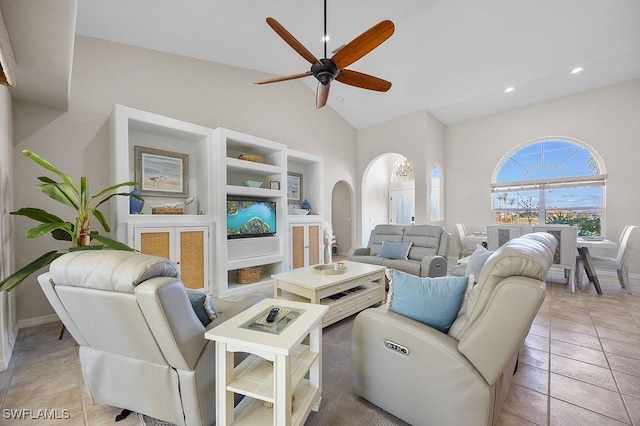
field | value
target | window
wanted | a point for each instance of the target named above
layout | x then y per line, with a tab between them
436	194
551	181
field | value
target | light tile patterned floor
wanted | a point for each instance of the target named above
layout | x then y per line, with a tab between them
580	366
581	361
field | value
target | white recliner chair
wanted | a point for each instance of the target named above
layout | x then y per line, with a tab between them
426	377
142	347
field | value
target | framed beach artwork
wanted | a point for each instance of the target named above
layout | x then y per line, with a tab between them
294	187
161	173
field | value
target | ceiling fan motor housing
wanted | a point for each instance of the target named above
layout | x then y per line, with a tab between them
325	71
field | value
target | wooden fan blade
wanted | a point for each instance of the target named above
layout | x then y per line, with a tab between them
284	78
291	40
364	81
363	44
322	94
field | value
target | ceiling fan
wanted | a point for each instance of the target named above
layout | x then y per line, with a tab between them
326	70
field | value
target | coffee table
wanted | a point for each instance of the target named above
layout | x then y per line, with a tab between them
361	286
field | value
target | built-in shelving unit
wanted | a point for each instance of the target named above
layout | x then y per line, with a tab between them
306	238
311	167
219	166
266	252
130	128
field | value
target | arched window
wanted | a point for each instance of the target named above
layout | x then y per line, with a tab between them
550	181
436	194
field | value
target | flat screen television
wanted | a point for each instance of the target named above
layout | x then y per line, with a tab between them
250	218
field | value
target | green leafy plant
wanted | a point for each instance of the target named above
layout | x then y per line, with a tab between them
587	226
77	233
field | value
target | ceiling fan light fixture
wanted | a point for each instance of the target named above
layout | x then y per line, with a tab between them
326	70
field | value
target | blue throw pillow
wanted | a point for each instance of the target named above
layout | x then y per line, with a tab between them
432	301
203	306
395	250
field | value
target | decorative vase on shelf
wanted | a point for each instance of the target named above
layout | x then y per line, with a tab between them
305	205
135	205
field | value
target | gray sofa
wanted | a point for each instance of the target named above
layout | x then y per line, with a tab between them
427	256
426	377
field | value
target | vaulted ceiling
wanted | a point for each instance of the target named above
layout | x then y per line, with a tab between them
453	58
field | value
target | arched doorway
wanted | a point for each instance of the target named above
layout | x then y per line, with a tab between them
388	193
341	214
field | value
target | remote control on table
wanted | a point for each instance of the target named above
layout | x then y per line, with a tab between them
273	313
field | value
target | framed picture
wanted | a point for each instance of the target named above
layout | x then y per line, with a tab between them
161	173
274	184
294	187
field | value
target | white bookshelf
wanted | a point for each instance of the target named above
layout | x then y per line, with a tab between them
131	127
266	252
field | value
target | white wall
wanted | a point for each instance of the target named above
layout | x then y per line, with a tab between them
204	93
607	119
420	138
374	194
8	325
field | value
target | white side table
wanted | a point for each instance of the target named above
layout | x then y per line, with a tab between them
274	371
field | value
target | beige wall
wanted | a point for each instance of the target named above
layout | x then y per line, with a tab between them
208	94
420	138
607	119
342	216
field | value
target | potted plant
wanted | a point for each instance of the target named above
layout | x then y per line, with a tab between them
77	233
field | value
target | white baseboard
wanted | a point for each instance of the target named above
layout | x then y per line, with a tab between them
30	322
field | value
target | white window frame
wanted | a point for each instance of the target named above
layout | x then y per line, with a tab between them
599	179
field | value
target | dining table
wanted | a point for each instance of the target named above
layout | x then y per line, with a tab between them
476	238
583	244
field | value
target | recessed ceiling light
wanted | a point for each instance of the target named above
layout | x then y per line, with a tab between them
509	89
576	70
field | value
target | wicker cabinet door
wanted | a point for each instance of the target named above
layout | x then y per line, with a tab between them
193	256
155	241
314	244
305	245
187	246
297	247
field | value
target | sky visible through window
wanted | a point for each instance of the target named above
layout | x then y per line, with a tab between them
548	160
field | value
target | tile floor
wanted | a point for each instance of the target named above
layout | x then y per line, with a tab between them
580	366
581	360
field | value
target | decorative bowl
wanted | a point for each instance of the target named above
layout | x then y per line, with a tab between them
330	269
301	211
252	183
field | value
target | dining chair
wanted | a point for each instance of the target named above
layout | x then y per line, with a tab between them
565	254
628	249
497	235
464	250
